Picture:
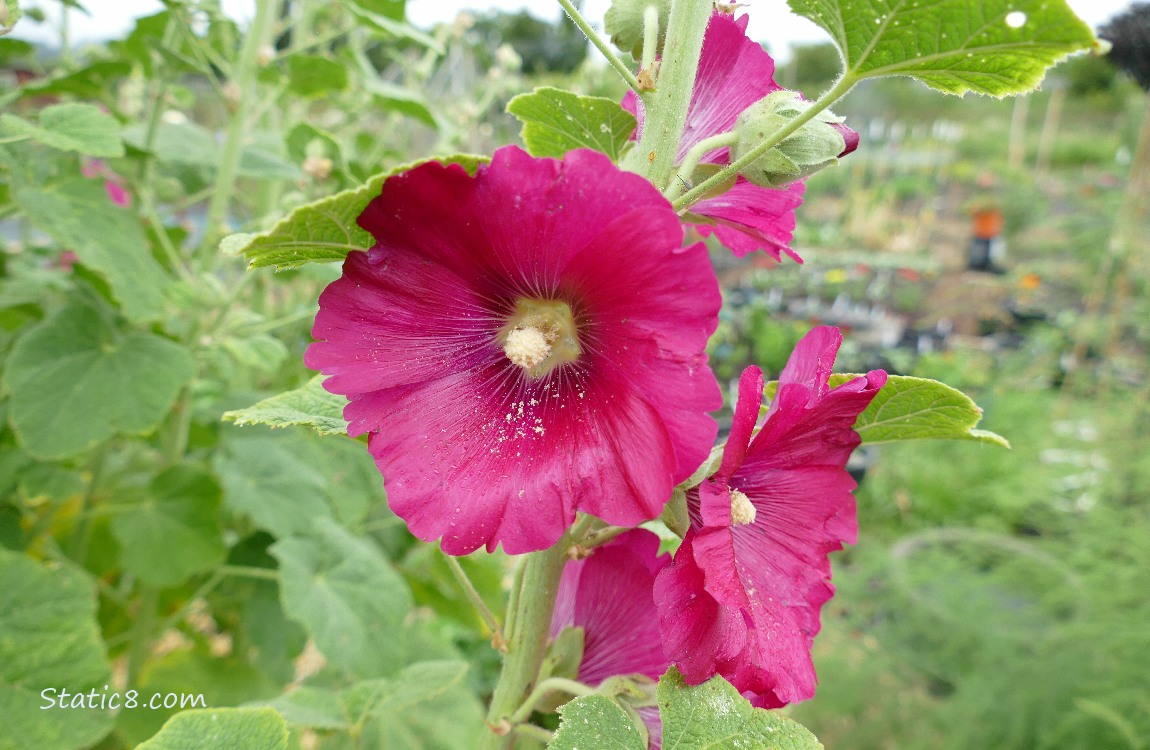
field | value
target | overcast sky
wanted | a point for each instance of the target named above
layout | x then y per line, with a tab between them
771	22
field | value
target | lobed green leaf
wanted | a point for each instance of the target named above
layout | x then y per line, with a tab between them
324	231
995	47
49	638
599	722
178	511
556	121
704	717
82	128
909	408
231	728
714	715
309	405
349	598
286	482
78	214
76	382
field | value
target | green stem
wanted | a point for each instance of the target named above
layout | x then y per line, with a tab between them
601	44
173	619
142	632
476	600
666	107
526	641
78	545
841	87
180	426
550	685
249	571
244	79
14	139
650	37
691	160
601	536
534	732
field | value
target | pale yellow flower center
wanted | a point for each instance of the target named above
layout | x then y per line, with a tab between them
540	335
742	511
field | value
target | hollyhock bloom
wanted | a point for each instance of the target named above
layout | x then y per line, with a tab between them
113	183
523	344
735	72
609	595
743	595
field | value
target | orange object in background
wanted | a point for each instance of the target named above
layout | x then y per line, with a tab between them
988	223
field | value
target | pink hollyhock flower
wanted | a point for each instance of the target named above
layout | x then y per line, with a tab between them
743	595
117	193
521	345
734	73
609	595
113	183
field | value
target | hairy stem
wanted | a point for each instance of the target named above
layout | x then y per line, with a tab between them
666	107
245	81
650	37
600	44
526	641
546	687
691	160
481	608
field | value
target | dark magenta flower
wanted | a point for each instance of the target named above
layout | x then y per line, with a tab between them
735	72
521	345
609	595
743	595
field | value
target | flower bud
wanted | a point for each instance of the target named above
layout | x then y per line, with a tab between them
817	144
624	23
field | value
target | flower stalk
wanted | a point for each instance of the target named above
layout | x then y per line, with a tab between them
600	44
527	631
667	106
244	78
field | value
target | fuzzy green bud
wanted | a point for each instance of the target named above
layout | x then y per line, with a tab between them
624	23
817	144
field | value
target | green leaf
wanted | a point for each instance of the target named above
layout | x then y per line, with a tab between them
995	47
556	121
599	722
49	640
393	9
714	715
75	382
387	24
177	512
312	707
231	728
108	239
201	679
402	100
426	706
71	127
287	481
314	75
919	409
324	231
349	598
910	408
309	405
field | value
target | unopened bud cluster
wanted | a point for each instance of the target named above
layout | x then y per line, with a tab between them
817	144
